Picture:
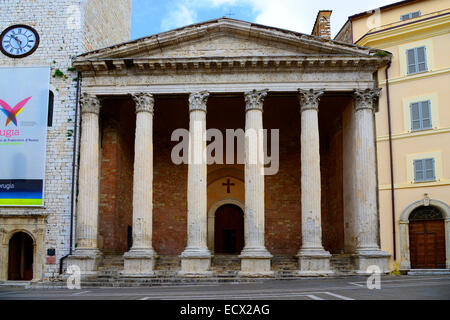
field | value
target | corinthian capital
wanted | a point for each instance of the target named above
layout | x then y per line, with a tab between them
309	99
197	100
89	104
144	102
254	99
365	99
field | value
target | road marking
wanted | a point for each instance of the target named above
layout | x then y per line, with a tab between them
356	284
246	296
145	298
80	293
338	296
313	297
363	283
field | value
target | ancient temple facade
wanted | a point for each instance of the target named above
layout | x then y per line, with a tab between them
317	198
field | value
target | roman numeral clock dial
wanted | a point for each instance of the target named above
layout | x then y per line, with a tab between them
19	41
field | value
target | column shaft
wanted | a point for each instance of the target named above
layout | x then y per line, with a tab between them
254	180
143	173
366	181
196	258
88	198
367	226
140	260
310	181
197	215
87	256
255	258
314	260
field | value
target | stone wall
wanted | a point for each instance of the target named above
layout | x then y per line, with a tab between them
106	22
62	36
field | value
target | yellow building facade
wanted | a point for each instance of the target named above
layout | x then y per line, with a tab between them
413	128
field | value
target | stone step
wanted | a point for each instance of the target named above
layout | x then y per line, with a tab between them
342	262
285	263
425	272
168	263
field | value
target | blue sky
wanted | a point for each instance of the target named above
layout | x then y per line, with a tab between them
154	16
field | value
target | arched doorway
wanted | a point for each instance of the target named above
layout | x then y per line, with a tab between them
21	252
229	229
427	238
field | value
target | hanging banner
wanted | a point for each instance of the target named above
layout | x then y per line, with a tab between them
24	96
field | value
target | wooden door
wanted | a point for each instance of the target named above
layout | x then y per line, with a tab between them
427	244
20	262
229	229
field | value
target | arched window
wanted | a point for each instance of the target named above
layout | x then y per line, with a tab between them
425	213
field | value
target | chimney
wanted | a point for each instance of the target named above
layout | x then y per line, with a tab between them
322	26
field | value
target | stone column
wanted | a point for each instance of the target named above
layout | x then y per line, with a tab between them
255	258
140	260
367	225
86	255
196	258
405	263
313	259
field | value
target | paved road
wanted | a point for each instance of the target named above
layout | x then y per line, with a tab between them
348	288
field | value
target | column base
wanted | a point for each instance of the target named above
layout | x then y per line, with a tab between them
255	262
366	259
195	263
139	263
87	260
405	266
314	263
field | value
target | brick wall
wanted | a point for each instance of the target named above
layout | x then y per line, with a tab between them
116	181
282	191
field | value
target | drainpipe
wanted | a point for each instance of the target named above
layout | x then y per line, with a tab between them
74	159
391	161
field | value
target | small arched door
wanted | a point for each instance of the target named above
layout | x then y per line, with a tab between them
229	229
427	238
21	251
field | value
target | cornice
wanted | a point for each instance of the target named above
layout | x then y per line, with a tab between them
421	27
217	64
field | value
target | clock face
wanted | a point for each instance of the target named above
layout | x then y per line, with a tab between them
19	41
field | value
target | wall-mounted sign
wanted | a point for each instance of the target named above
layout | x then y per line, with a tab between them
23	135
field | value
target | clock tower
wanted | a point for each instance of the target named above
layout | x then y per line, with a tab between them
48	34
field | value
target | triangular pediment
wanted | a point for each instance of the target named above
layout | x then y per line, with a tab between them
226	37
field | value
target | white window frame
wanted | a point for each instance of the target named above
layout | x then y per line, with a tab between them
421	118
424	170
410	170
416	60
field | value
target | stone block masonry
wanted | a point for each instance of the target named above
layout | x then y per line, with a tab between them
67	28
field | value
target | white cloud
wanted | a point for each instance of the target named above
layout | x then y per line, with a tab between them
299	15
181	15
296	15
